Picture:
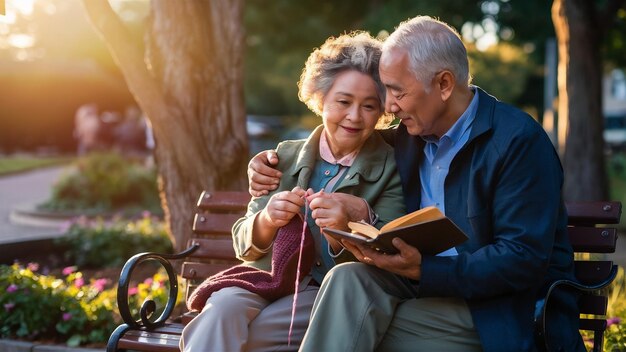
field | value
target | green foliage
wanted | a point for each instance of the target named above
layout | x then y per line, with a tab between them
99	243
498	67
104	182
277	46
154	288
615	334
37	306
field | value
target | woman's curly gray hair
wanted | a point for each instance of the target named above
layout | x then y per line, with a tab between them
357	51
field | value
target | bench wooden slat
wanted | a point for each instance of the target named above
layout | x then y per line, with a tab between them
592	324
593	212
223	201
592	271
592	304
593	240
217	224
213	248
192	270
163	339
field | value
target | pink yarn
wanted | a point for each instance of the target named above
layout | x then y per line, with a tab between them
295	295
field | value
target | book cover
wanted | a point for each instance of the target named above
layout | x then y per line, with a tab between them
430	232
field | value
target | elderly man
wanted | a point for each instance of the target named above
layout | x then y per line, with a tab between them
491	169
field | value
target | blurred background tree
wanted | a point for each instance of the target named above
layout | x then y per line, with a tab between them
587	31
192	97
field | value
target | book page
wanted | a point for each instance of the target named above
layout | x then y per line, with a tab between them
422	215
363	229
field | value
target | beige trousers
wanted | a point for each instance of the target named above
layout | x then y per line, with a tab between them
362	308
235	319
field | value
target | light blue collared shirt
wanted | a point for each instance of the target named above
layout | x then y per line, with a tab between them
438	156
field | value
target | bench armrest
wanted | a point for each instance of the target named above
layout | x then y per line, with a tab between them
541	305
149	306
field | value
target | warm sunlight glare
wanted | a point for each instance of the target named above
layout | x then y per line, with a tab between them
21	41
25	7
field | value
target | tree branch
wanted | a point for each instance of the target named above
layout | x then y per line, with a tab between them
128	56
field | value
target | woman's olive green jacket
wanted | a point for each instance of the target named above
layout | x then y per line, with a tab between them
373	176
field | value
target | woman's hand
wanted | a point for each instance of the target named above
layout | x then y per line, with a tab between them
282	207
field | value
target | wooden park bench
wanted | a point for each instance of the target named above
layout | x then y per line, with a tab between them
211	251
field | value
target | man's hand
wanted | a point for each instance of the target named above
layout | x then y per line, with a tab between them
262	177
356	207
407	263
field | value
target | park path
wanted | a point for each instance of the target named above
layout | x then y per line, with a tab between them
24	191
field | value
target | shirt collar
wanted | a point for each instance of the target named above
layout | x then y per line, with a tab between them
462	125
328	156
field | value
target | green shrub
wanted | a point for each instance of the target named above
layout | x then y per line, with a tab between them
615	335
105	182
35	306
44	307
99	243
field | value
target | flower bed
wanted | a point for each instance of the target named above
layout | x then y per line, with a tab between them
72	309
65	305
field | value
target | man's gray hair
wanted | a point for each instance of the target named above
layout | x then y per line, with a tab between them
432	46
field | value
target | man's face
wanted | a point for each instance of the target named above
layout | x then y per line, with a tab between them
418	106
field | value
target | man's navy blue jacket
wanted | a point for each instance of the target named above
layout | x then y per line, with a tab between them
504	190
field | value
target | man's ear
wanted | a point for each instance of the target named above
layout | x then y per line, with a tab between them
446	82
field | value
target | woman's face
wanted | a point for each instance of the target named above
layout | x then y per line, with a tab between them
350	111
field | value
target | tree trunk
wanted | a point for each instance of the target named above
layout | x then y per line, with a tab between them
580	99
190	86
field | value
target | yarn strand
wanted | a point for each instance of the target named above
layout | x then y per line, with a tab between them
297	283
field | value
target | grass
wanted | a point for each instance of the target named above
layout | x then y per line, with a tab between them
15	164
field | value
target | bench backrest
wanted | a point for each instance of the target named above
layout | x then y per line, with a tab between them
217	212
590	236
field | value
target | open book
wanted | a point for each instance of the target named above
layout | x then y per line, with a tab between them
427	229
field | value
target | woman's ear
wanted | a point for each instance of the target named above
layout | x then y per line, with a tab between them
445	82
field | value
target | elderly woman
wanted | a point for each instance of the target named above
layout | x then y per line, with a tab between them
342	159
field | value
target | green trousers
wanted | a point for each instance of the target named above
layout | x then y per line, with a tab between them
362	308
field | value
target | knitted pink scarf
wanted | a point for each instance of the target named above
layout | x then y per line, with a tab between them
269	285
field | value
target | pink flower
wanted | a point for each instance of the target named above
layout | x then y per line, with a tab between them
68	270
613	321
67	316
12	288
99	284
146	214
65	226
79	282
148	281
9	306
132	291
33	267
